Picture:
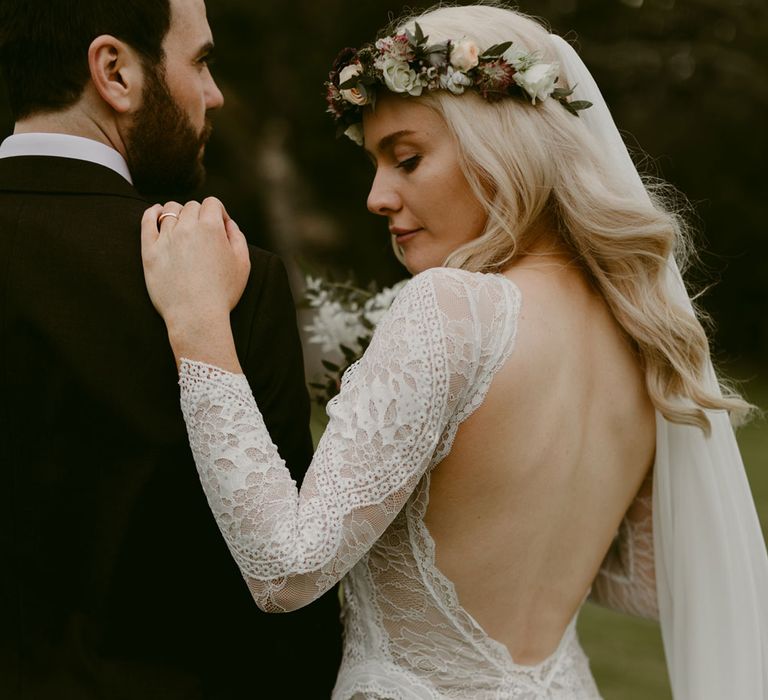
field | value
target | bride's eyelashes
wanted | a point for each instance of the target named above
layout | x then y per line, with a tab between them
409	164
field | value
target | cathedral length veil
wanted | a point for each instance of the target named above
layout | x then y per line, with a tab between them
711	563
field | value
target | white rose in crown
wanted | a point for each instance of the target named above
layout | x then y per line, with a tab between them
465	55
400	77
539	80
356	95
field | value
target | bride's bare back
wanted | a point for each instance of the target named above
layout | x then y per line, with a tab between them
526	505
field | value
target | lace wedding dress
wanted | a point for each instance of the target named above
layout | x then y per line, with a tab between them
360	512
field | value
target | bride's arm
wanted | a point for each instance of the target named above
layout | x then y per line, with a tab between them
626	581
384	427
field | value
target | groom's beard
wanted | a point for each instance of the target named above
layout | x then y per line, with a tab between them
165	152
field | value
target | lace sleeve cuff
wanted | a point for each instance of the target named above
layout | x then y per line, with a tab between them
197	377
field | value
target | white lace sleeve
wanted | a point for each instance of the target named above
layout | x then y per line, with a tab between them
626	581
384	428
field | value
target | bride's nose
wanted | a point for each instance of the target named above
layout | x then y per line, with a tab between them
383	198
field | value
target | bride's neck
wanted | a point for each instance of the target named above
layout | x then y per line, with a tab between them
544	250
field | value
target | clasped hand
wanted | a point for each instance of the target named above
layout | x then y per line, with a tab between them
196	265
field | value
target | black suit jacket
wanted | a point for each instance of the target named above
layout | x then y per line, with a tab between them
114	579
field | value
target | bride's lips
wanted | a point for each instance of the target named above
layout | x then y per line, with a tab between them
402	235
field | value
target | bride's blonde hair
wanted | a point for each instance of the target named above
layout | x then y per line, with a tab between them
533	165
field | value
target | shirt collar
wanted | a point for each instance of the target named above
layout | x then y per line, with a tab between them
65	146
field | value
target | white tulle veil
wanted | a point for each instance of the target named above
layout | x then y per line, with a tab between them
711	563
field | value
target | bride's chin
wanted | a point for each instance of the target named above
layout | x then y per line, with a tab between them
416	264
420	254
411	267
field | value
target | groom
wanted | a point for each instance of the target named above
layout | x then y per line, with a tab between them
114	580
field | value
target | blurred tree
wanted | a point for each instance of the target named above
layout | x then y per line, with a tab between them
686	79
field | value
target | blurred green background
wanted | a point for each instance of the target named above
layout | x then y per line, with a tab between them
687	81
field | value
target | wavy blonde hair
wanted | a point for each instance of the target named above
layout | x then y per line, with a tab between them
533	166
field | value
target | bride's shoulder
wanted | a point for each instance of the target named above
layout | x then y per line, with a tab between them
453	284
458	303
471	316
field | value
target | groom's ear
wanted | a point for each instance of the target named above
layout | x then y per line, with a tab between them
116	72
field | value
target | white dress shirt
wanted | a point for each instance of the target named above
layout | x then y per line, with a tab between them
65	146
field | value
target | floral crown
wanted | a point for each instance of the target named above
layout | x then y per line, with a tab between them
405	63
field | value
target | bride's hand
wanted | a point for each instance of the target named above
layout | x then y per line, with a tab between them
196	265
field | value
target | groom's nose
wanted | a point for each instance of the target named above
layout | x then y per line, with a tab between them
213	97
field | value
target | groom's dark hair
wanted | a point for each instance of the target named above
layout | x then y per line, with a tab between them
44	45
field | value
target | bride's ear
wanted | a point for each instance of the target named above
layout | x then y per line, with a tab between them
117	73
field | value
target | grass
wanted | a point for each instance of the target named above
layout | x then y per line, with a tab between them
626	654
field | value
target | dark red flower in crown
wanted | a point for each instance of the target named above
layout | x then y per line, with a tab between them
495	79
344	57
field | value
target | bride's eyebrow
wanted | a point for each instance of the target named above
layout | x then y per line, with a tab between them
388	141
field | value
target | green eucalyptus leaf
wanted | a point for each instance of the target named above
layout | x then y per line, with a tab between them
441	47
330	366
349	354
496	50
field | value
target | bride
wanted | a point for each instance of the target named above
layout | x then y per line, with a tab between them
539	383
